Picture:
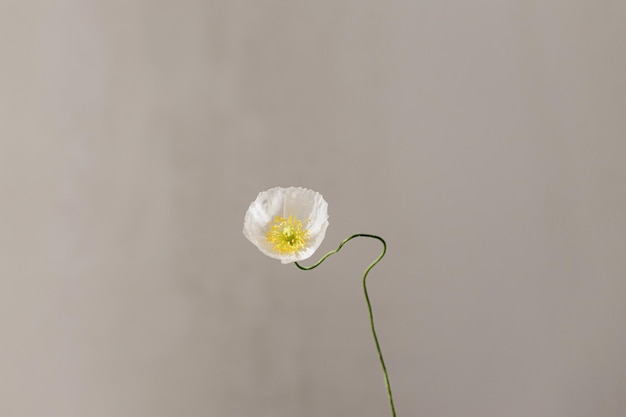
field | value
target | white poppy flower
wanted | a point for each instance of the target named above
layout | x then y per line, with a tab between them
287	223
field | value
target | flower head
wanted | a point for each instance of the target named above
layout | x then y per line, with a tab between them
287	223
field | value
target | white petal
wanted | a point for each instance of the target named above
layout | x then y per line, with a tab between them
306	205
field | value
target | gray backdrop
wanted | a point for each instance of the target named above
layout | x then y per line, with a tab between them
485	140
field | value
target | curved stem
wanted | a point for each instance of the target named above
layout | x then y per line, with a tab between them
367	299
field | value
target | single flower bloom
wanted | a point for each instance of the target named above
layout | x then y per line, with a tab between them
288	224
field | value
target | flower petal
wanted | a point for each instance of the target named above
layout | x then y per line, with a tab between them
306	205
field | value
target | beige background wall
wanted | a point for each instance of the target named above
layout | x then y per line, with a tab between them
485	140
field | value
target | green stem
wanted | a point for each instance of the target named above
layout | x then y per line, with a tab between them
367	299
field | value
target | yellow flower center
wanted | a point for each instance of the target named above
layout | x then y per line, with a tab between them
287	235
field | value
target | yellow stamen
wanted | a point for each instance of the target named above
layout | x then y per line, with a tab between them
287	235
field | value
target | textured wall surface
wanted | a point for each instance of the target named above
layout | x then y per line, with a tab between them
485	140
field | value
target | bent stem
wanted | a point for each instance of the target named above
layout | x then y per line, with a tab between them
367	299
